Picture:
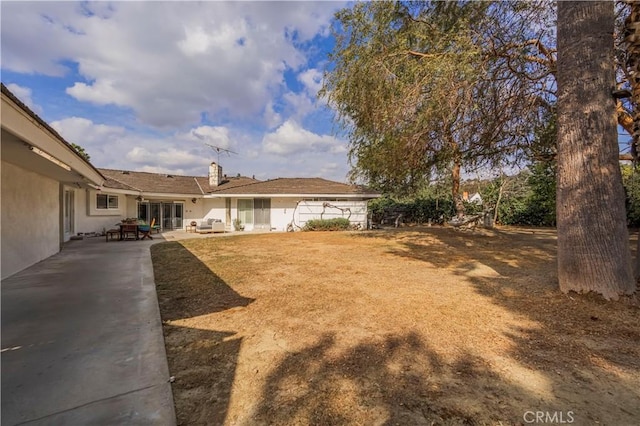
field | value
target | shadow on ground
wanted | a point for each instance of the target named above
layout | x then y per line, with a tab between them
399	380
187	288
582	342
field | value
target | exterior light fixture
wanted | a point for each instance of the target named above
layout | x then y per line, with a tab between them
49	157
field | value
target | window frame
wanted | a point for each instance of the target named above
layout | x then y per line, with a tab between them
111	202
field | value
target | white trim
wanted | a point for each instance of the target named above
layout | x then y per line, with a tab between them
358	196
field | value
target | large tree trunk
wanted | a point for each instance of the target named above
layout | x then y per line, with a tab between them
632	125
455	178
593	241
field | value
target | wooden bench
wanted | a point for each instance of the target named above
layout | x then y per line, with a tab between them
111	233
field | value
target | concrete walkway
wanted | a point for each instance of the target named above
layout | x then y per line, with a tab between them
82	339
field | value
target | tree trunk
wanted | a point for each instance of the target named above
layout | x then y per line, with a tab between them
593	241
455	178
632	39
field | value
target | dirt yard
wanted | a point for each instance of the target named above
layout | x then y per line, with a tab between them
428	326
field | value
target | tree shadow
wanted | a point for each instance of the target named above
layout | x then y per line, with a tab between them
390	381
187	288
581	342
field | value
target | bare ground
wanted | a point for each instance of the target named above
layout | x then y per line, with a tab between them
416	326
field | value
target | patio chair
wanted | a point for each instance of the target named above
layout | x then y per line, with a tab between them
145	230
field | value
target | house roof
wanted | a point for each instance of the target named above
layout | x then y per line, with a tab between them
165	183
44	124
144	182
298	186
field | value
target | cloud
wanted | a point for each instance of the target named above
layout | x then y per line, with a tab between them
169	62
24	94
312	80
291	138
211	136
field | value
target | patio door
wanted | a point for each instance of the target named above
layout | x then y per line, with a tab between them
245	213
67	214
262	213
167	215
172	215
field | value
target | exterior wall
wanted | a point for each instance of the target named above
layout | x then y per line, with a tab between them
194	212
357	211
214	208
88	218
30	218
294	210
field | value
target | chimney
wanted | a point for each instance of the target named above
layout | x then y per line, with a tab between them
215	174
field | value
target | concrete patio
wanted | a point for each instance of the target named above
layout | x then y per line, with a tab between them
82	339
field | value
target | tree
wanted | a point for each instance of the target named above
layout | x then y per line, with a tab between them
80	151
420	90
593	245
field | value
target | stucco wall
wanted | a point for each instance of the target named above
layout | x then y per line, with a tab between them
287	210
90	219
30	218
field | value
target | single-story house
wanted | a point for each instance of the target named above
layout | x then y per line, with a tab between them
51	193
175	201
43	183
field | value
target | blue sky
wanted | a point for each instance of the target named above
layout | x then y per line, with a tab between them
144	85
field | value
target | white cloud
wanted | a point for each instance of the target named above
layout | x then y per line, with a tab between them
85	133
169	62
24	94
291	138
271	117
312	80
212	136
299	105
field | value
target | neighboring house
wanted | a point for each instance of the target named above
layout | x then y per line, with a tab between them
476	198
175	201
43	184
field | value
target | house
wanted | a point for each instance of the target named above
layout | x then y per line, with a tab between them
44	180
51	193
175	201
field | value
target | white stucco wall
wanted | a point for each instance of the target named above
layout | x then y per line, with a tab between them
30	219
355	211
91	219
287	210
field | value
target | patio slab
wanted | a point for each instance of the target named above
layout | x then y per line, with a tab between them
82	339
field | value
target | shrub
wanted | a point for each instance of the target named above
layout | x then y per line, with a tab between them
336	224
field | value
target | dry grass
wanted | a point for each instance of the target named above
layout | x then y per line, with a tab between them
419	326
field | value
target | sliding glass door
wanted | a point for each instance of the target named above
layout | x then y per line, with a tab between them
168	215
262	213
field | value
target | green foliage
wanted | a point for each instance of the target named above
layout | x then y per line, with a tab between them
335	224
420	86
424	209
631	182
81	152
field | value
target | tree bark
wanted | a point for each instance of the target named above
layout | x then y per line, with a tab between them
593	241
455	187
632	124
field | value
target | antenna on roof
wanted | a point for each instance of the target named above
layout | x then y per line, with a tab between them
217	149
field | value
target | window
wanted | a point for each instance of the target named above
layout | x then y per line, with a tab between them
106	201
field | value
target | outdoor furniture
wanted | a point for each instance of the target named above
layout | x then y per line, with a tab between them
112	233
210	225
128	230
145	230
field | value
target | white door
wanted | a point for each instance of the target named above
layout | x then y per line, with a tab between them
68	214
